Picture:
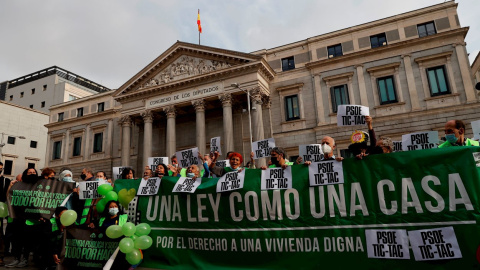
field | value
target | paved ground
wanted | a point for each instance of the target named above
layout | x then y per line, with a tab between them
30	266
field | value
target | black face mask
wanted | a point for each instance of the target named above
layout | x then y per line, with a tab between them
1	170
160	174
83	176
31	178
51	178
376	150
274	160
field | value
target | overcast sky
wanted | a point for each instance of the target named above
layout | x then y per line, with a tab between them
109	41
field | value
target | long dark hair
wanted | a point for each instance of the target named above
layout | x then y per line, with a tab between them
165	169
127	171
24	175
107	206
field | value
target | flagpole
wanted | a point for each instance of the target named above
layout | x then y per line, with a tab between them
198	38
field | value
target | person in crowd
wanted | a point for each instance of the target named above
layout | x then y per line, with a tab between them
87	174
128	173
235	160
101	175
83	207
174	167
278	159
67	176
455	135
384	146
161	170
4	183
206	161
48	174
148	173
56	239
328	145
193	171
112	215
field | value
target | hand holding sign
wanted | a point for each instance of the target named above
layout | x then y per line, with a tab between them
188	157
215	145
352	115
262	148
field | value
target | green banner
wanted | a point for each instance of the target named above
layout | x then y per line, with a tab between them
316	227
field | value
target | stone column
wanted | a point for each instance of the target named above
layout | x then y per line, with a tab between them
267	105
257	120
199	106
48	154
108	150
86	143
226	100
171	142
361	86
465	72
412	88
65	147
126	122
319	98
147	135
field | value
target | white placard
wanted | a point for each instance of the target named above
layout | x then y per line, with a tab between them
387	244
231	181
215	145
476	129
186	184
420	140
277	178
154	161
149	187
434	244
188	157
310	152
397	146
262	148
325	173
222	163
117	172
88	189
352	115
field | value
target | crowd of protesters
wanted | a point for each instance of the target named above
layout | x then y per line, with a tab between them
43	238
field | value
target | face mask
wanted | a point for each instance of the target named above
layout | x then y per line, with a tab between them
451	138
274	160
160	174
51	178
326	149
235	169
98	179
113	211
190	175
1	170
32	178
67	179
83	176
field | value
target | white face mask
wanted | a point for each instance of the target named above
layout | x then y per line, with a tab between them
326	149
98	179
67	179
190	175
113	211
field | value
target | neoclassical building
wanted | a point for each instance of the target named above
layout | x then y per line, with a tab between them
411	69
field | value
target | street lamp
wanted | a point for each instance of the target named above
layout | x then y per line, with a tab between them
249	114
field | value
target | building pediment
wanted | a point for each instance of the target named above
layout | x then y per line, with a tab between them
185	62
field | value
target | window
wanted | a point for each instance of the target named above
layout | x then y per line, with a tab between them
97	142
60	117
426	29
11	97
44	87
31	165
43	104
335	50
101	107
292	108
79	112
11	140
8	167
31	106
386	89
33	144
21	94
339	96
288	63
33	91
57	150
437	81
70	97
77	146
378	40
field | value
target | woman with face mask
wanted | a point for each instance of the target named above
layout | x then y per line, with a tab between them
235	160
48	174
128	173
161	170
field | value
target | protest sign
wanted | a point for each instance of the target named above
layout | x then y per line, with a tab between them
352	115
222	163
37	200
117	172
186	184
154	161
88	189
321	226
434	244
231	181
262	148
476	129
397	146
310	152
215	145
85	249
387	244
149	187
420	140
276	178
325	173
187	157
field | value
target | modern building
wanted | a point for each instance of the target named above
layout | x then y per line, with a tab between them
23	138
411	70
47	87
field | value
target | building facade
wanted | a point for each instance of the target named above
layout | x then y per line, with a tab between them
47	87
23	138
411	69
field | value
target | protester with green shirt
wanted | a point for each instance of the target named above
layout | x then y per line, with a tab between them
455	135
278	159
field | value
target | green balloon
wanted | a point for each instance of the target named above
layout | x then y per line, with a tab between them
101	205
68	218
104	189
134	237
143	242
134	257
3	210
128	229
111	196
126	245
143	229
114	232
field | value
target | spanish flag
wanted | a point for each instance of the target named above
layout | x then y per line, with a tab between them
198	22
